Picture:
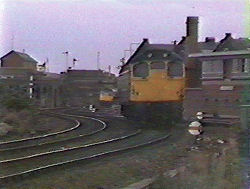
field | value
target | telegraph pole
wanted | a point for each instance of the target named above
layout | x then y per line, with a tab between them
74	62
67	59
109	67
12	41
47	65
98	60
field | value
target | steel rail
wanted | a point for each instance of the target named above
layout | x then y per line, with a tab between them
71	149
49	134
104	126
6	178
43	136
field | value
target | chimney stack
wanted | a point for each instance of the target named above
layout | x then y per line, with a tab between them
145	40
192	27
228	35
191	46
209	39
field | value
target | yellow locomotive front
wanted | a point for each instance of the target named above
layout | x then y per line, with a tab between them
157	81
152	83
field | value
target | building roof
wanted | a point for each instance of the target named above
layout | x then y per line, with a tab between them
220	53
87	73
145	41
228	43
169	47
52	75
209	45
24	56
145	47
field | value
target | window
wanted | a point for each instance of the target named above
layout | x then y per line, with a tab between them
175	69
141	70
157	65
212	66
241	65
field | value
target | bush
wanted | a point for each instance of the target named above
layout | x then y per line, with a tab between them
11	119
4	129
14	99
22	121
16	104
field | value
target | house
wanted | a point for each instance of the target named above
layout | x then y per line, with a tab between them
225	73
15	59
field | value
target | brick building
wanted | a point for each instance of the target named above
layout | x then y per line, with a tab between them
83	87
15	72
225	73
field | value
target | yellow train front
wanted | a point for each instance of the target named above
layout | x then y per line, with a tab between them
151	84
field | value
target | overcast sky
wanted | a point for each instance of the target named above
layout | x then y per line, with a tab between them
46	28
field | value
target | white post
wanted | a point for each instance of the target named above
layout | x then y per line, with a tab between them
31	86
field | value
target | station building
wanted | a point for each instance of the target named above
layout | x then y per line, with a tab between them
84	87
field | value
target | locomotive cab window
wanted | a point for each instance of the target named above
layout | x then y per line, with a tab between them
157	65
175	69
141	70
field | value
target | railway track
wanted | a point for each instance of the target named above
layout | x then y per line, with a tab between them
43	159
19	167
70	149
77	125
21	174
51	138
105	112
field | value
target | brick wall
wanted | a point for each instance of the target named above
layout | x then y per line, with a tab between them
212	100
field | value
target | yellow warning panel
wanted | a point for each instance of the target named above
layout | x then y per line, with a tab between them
106	97
158	87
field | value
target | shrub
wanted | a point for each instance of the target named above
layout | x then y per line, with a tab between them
14	99
16	104
11	119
